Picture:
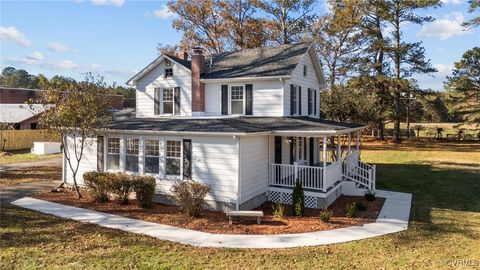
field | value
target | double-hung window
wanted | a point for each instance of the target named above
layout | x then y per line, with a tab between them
131	155
173	158
167	101
113	154
152	156
237	97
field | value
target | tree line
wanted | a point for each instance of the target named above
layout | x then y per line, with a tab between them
368	63
20	78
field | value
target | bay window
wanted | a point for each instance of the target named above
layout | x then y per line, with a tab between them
131	155
113	154
236	99
152	156
173	157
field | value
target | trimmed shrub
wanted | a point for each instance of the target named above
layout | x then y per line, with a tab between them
325	215
120	185
279	210
97	184
370	196
351	208
190	195
361	206
298	199
144	188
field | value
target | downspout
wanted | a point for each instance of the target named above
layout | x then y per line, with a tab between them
239	183
283	96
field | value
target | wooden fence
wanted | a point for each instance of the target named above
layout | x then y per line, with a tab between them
23	139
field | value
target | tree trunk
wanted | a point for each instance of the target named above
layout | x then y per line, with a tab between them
381	130
396	127
75	186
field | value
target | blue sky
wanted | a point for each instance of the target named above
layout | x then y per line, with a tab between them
116	38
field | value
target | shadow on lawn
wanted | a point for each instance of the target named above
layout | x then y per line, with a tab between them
26	228
434	188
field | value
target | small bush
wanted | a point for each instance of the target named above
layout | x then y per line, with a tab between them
361	206
144	188
369	196
190	195
120	185
298	199
351	208
97	184
325	215
279	210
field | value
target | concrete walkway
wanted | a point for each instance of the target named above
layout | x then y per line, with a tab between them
392	218
51	162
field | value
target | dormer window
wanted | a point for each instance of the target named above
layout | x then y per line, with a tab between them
168	72
304	70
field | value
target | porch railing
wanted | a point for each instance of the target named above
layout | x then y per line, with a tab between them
285	175
361	173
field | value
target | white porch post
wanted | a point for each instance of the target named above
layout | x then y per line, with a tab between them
349	140
324	156
358	139
339	148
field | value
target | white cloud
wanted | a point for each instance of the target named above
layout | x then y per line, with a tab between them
36	56
452	2
117	3
164	12
443	69
59	47
450	25
12	34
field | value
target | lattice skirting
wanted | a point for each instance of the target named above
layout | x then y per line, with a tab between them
286	198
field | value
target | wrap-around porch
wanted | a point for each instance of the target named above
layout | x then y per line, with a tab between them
319	163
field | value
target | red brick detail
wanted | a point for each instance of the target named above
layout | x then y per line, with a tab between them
198	88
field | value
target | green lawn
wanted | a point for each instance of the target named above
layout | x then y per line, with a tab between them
24	157
445	224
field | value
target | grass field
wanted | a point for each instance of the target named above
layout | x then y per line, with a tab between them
24	157
448	128
444	225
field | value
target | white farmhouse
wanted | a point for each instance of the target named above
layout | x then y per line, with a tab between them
247	123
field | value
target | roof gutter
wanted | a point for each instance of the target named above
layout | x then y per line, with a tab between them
185	133
240	79
312	133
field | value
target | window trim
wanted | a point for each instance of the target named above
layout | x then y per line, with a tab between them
145	155
165	72
230	99
138	172
162	101
107	153
305	70
170	176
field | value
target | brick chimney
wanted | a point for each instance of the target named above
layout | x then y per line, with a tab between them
198	88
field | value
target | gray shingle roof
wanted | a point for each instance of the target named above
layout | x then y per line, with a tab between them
125	120
258	62
181	61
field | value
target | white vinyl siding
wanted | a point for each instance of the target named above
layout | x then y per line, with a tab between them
155	79
254	166
298	79
267	97
215	162
87	163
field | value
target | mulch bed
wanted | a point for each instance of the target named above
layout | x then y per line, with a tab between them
217	222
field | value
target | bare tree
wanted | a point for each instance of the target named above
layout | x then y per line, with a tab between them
79	113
